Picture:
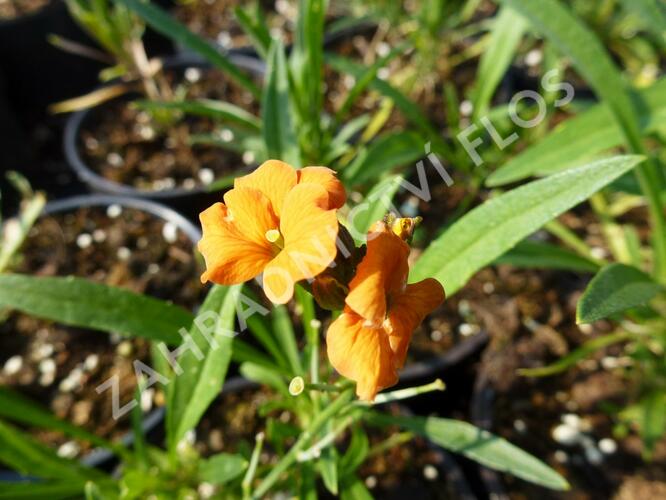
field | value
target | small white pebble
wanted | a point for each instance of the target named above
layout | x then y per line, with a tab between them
153	268
84	240
170	232
348	81
189	184
248	157
430	472
147	399
43	351
124	349
99	235
565	435
607	446
147	133
383	73
91	362
67	385
467	329
572	420
70	449
115	160
206	175
115	338
488	288
520	426
206	490
192	75
123	253
13	365
598	253
46	379
47	365
226	135
436	335
371	482
609	362
533	57
466	108
383	49
114	211
586	328
593	455
224	39
561	457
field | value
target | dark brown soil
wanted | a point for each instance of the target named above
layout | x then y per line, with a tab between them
11	9
133	250
124	145
231	424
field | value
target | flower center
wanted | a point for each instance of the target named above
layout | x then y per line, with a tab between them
275	238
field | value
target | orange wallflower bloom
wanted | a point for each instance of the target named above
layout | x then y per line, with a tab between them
368	342
277	221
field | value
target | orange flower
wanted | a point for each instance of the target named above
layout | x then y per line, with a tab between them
277	221
368	342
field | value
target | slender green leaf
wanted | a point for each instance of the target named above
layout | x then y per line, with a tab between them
265	376
373	208
221	468
28	490
507	31
18	408
203	372
279	134
255	29
328	468
27	456
538	255
217	110
283	331
389	151
355	490
79	302
488	231
580	138
566	362
652	13
653	418
163	23
616	288
480	446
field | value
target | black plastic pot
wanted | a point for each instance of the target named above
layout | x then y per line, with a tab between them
99	457
189	201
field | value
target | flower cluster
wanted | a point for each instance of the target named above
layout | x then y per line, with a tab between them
282	223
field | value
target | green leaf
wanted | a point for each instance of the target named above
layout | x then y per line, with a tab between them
616	288
28	490
566	362
217	110
489	230
279	134
653	419
652	13
532	254
18	408
507	31
580	138
373	208
79	302
283	331
163	23
221	468
265	376
356	452
11	241
255	29
389	151
479	445
355	490
328	468
28	456
201	380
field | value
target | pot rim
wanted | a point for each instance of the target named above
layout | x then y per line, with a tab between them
98	182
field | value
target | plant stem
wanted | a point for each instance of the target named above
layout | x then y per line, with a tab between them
252	468
315	450
569	238
390	442
409	392
312	430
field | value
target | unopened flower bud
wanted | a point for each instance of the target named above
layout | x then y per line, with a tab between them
296	386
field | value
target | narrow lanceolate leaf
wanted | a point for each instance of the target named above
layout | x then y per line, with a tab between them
279	134
546	256
478	445
27	456
396	149
616	288
203	372
507	31
79	302
581	138
373	208
28	490
488	231
221	468
163	23
224	112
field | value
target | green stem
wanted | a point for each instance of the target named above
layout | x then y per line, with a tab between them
400	394
312	430
569	238
315	450
390	442
649	180
252	468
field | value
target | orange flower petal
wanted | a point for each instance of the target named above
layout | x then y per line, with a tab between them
361	354
407	312
230	256
326	178
310	232
250	211
273	178
384	269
